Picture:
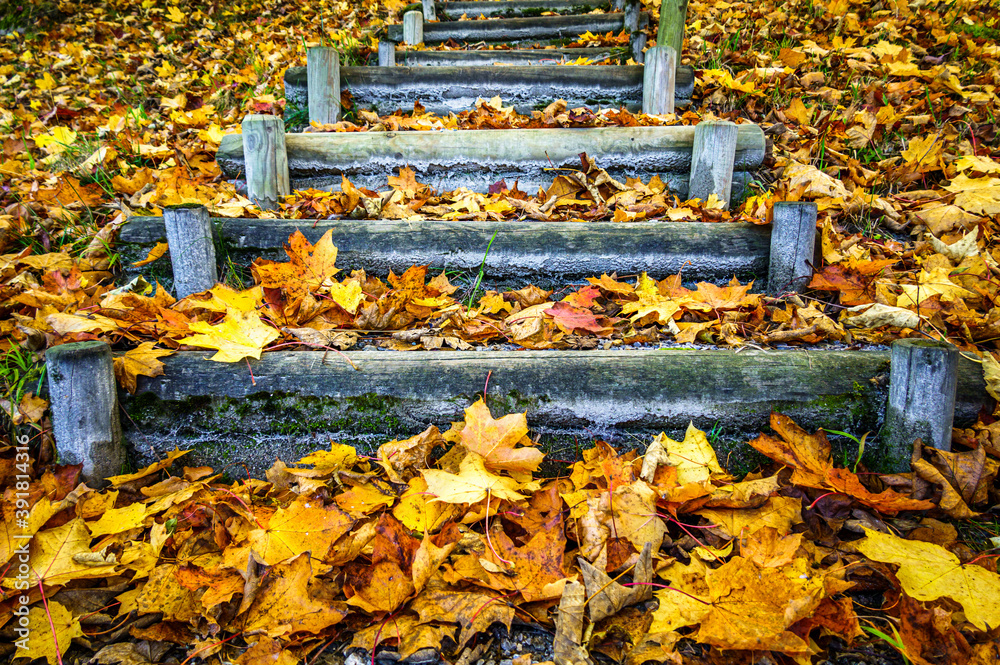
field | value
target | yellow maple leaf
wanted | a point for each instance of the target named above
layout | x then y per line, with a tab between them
166	70
798	112
495	439
928	572
305	525
651	301
147	471
58	556
991	374
471	485
347	294
238	336
935	282
338	457
45	83
726	80
211	135
418	511
225	298
902	69
55	627
176	15
977	163
977	195
119	520
144	360
694	457
57	140
924	153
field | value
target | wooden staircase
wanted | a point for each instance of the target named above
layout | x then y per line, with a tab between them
291	402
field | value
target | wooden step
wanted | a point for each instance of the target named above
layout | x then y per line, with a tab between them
297	401
447	11
478	158
518	30
444	90
547	254
541	56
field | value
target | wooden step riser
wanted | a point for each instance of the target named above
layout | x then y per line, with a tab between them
299	401
445	90
453	89
518	30
614	56
549	255
477	159
510	8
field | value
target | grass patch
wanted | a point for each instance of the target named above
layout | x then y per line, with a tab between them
29	16
21	373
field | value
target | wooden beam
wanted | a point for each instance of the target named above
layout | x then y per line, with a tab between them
619	395
521	252
476	159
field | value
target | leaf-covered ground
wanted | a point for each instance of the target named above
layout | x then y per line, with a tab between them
884	113
668	557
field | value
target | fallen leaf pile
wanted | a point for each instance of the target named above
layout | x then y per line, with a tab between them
438	537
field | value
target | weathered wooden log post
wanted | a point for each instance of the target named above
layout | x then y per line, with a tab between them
630	23
632	9
923	377
793	242
430	13
658	80
413	28
386	53
192	251
266	159
673	15
323	84
712	160
84	402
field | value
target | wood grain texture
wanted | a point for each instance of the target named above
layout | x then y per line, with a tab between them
658	81
513	30
548	56
323	74
713	157
539	252
386	57
453	11
266	165
452	81
84	406
632	11
476	159
622	396
600	389
673	16
413	28
922	394
793	245
192	250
